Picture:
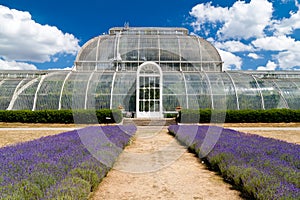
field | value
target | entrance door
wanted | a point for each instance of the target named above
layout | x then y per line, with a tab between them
149	97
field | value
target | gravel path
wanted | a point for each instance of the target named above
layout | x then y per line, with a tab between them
155	166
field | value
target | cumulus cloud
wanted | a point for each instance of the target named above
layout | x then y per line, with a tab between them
288	48
23	39
67	68
276	43
254	56
241	21
231	61
247	19
233	46
288	59
207	13
288	25
13	65
270	66
250	27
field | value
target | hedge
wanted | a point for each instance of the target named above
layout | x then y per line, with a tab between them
115	116
62	116
238	116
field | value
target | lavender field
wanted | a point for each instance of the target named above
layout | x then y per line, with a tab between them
262	168
65	166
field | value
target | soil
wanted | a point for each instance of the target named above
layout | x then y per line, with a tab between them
286	135
13	137
290	134
38	125
155	166
12	133
292	124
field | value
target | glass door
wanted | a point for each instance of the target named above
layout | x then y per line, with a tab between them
149	91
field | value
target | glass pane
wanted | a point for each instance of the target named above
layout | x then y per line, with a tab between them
147	106
152	106
157	94
157	106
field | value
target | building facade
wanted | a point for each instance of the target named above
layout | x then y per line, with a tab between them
149	72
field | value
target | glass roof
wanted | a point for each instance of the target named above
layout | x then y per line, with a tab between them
128	48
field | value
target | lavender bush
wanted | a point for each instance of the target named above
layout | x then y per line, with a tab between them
65	166
262	168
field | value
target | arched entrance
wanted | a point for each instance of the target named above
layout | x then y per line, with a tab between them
149	91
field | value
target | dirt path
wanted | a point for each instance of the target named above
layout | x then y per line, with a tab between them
155	166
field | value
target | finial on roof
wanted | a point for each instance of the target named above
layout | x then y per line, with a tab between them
126	25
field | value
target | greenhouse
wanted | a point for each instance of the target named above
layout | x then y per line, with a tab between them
148	72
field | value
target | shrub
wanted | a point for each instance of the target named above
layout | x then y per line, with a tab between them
88	175
238	116
22	190
69	189
62	116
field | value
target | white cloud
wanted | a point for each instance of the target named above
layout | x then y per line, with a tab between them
270	66
13	65
241	21
288	59
247	19
251	28
254	56
67	68
233	46
276	43
207	13
289	50
288	25
23	39
231	61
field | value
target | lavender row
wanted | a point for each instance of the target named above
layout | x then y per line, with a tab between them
262	168
65	166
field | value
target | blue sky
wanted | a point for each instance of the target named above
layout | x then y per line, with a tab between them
250	35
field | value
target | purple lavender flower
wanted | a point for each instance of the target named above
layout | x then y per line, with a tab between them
266	168
42	164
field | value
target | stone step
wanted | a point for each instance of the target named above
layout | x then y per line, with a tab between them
149	122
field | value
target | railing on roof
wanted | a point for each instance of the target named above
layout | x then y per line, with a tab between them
148	31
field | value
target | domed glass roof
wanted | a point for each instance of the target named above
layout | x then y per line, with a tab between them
126	48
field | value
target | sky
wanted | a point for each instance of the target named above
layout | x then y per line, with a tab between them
249	35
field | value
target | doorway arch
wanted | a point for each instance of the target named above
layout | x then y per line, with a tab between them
149	91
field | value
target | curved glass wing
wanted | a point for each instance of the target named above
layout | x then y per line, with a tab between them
290	92
99	90
124	91
49	93
25	98
247	90
7	89
198	90
174	91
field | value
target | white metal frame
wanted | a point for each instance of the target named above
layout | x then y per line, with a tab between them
37	91
62	89
149	114
260	92
235	91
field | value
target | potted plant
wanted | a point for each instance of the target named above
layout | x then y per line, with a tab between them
178	108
